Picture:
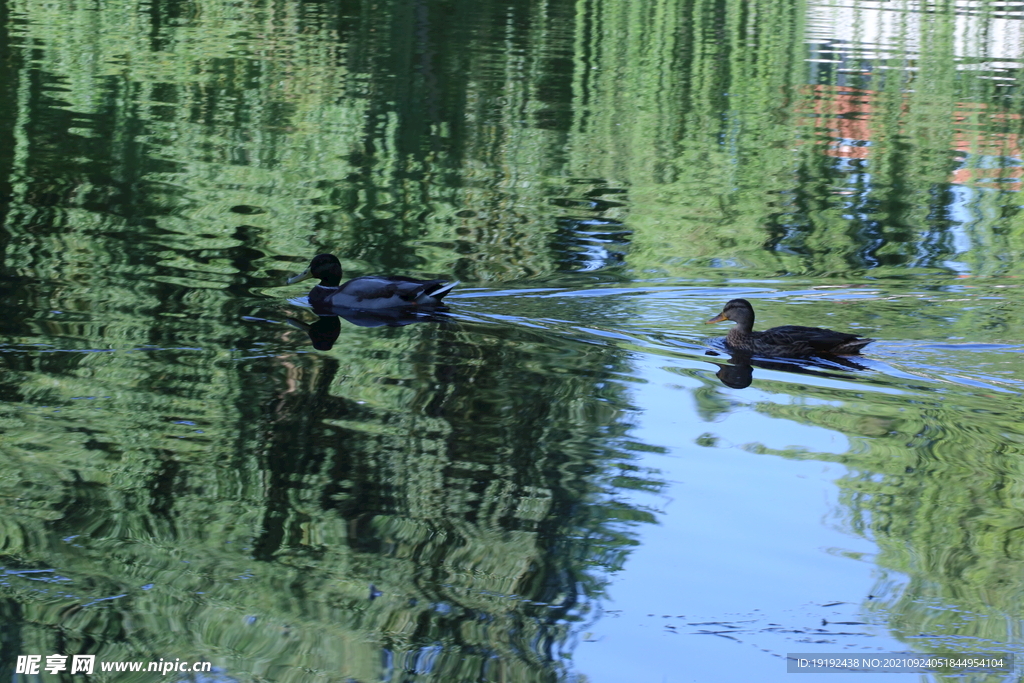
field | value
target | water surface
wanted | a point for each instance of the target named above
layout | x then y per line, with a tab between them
564	476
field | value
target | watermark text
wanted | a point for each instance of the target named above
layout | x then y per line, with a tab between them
86	664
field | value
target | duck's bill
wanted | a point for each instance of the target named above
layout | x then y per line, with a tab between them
304	275
717	319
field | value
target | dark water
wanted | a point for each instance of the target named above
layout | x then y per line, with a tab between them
561	478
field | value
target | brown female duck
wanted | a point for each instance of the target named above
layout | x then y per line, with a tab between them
789	340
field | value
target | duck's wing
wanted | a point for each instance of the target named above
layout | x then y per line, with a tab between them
815	339
375	291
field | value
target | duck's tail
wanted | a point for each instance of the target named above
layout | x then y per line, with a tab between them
853	346
435	295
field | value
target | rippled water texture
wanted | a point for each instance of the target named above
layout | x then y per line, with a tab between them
565	476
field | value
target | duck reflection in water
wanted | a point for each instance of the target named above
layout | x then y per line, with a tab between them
325	331
738	373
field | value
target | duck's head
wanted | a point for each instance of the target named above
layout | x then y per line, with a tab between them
323	267
739	311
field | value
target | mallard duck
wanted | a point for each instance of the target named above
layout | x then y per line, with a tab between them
789	340
369	292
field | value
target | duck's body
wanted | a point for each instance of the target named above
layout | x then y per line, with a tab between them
788	340
368	293
373	292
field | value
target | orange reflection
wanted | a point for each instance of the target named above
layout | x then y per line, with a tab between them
846	113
